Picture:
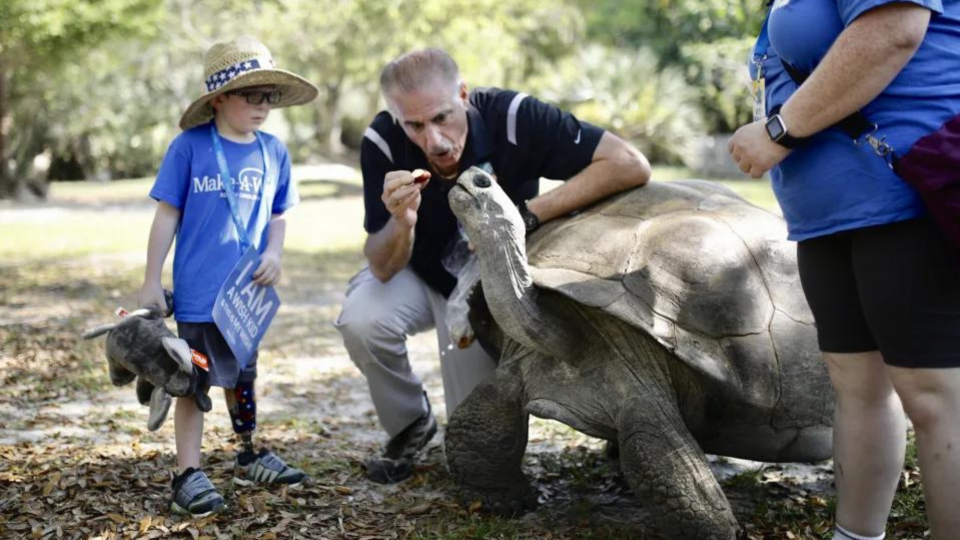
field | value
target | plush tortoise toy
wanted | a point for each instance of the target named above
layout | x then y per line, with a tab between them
141	347
668	319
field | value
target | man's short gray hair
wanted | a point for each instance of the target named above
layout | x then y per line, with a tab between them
413	71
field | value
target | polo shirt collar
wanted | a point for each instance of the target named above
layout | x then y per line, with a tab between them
478	138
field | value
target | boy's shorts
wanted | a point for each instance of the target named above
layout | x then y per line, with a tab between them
224	369
893	288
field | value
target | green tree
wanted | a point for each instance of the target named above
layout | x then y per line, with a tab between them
504	46
117	121
666	26
341	45
38	38
718	72
708	39
625	90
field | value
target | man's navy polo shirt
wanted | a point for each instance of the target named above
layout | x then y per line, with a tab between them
523	138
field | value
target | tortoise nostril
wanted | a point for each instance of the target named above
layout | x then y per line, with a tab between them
481	181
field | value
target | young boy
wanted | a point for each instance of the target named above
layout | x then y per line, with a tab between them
213	229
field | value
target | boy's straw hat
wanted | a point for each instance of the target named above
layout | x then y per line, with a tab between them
241	63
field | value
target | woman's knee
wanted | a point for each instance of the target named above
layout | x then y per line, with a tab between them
926	410
859	378
929	396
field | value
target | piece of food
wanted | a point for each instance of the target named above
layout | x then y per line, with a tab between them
420	176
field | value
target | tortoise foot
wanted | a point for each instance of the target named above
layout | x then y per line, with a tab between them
504	501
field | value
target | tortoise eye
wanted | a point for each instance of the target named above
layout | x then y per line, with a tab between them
481	181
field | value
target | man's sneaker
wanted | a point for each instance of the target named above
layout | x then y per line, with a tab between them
396	462
265	468
194	495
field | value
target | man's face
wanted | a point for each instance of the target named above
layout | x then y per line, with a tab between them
435	119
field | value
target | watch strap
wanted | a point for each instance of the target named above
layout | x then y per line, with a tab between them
530	220
789	141
785	140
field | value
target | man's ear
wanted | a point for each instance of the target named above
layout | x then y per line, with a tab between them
180	352
464	94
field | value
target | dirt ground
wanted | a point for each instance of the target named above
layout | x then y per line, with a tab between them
76	459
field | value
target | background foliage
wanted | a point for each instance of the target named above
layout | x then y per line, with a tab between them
93	89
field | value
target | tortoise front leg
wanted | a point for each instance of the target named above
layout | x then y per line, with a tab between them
484	445
669	474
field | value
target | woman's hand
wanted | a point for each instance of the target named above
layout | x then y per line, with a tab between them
754	151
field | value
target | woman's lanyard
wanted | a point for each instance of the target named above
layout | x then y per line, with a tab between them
759	85
230	189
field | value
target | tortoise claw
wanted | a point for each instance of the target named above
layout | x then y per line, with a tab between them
507	502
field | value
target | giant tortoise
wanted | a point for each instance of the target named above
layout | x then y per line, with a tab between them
668	319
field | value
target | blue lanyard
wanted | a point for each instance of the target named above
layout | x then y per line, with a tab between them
763	42
231	190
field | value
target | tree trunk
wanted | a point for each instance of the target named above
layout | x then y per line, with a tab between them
373	101
330	120
25	182
334	142
7	187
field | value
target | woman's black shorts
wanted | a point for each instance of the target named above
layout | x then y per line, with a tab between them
893	288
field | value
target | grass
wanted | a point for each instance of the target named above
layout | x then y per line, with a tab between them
783	511
101	193
108	218
311	180
758	192
75	232
93	219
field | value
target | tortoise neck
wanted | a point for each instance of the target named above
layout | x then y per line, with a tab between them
515	302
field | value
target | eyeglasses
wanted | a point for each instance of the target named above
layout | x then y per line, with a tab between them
256	97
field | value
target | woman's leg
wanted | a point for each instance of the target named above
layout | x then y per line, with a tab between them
869	429
869	438
931	398
909	280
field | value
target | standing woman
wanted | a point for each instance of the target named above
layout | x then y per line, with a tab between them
880	278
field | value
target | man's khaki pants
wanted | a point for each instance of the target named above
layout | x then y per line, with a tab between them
375	321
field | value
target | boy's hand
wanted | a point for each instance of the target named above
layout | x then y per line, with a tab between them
151	295
268	273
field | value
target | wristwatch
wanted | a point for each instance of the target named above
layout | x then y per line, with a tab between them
777	130
530	220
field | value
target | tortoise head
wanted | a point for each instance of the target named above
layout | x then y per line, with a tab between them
485	211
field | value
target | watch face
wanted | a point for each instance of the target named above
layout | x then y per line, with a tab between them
529	221
775	128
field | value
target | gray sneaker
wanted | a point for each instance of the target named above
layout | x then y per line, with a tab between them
265	468
194	495
396	462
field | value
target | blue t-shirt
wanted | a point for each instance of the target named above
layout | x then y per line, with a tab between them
208	245
830	184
